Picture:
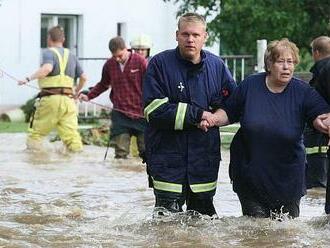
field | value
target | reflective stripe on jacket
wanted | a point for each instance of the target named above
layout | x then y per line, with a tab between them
316	149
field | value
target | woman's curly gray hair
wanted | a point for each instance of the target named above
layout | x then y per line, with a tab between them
274	50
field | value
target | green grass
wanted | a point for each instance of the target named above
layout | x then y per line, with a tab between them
13	127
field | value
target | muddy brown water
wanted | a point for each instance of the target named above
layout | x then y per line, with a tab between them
59	200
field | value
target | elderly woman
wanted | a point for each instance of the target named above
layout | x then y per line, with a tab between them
267	154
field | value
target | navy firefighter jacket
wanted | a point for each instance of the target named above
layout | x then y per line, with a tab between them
175	94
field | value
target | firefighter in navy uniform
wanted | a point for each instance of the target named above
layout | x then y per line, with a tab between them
316	146
321	82
181	88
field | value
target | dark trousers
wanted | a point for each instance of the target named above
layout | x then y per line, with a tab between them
327	195
199	202
122	143
252	206
122	128
316	170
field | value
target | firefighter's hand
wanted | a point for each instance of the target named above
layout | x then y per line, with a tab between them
204	125
211	119
83	97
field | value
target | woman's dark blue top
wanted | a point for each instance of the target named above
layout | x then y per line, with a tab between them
272	125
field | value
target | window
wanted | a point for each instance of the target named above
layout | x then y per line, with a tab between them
70	26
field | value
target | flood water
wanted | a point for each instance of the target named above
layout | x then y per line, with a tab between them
59	200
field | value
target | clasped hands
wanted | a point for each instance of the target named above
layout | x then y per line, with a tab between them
209	119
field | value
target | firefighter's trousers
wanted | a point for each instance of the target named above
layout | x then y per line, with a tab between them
55	112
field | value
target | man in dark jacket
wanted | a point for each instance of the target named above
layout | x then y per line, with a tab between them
321	82
316	143
182	87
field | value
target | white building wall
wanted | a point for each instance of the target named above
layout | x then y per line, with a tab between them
20	22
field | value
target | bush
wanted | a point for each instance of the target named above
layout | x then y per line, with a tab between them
306	61
28	108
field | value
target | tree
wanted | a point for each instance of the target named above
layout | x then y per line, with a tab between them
239	23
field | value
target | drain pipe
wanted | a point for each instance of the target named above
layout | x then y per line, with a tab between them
14	115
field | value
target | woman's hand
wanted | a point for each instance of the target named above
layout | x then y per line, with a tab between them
322	123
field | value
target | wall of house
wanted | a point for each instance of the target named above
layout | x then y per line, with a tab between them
20	25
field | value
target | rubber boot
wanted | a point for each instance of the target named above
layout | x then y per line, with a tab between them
201	205
122	143
165	206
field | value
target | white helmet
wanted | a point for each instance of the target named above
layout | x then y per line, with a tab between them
141	42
